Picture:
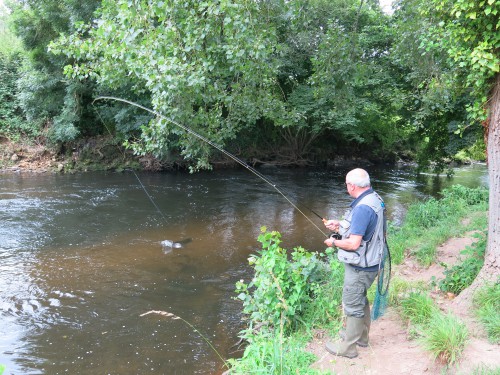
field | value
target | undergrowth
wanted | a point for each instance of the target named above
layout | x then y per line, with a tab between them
461	275
430	223
487	303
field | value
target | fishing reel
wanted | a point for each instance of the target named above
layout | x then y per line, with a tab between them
335	236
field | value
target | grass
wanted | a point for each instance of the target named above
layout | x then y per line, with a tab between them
487	302
483	370
428	224
272	353
445	337
418	308
461	275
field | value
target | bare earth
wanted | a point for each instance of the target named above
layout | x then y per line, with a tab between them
393	352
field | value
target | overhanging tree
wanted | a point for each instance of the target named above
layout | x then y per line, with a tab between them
204	64
469	31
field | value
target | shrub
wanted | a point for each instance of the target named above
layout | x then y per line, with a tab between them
281	288
12	123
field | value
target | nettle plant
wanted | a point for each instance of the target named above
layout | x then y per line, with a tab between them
283	285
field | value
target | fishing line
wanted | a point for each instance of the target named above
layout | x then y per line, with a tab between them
227	153
135	174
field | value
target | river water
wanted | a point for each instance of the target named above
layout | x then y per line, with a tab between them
81	260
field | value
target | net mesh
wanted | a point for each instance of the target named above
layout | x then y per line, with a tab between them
383	281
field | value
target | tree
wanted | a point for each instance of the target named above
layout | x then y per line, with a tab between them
356	81
47	98
205	64
469	31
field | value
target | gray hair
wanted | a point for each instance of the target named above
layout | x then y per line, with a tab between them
358	177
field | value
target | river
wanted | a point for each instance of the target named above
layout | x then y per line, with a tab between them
81	260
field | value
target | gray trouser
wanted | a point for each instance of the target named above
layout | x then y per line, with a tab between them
356	283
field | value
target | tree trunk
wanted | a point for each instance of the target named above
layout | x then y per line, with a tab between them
491	269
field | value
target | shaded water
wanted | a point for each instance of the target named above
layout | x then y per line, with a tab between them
81	260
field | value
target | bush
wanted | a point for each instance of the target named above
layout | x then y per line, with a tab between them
281	288
12	123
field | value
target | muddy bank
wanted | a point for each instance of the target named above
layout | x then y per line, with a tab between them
105	153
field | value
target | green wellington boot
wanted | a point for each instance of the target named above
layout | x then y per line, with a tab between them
363	341
347	347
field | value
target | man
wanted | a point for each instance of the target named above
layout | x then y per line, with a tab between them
360	249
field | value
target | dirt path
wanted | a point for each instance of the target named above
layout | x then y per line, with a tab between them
393	352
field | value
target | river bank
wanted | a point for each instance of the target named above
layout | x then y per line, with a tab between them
104	153
430	326
394	345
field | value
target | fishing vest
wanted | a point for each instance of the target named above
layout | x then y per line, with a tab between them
369	253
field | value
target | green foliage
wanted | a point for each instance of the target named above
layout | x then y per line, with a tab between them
271	353
324	307
12	122
206	64
468	32
45	96
429	223
476	152
487	305
468	196
355	81
454	201
418	308
281	288
288	291
9	43
437	101
460	276
445	337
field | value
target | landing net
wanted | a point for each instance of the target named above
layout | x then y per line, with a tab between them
383	281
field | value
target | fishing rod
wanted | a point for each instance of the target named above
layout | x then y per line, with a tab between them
227	153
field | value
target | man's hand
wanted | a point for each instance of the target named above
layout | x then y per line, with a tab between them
333	225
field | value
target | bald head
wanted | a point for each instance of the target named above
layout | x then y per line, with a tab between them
358	177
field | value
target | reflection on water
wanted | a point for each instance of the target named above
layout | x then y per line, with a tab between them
81	260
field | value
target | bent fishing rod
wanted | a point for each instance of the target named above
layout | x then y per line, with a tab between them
227	153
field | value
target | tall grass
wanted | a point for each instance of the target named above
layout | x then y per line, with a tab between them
487	302
272	353
418	308
430	223
445	337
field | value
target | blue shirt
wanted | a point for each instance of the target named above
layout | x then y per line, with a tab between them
364	219
363	223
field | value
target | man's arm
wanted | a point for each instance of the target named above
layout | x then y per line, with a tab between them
350	244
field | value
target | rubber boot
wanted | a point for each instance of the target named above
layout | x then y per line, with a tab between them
363	341
347	347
